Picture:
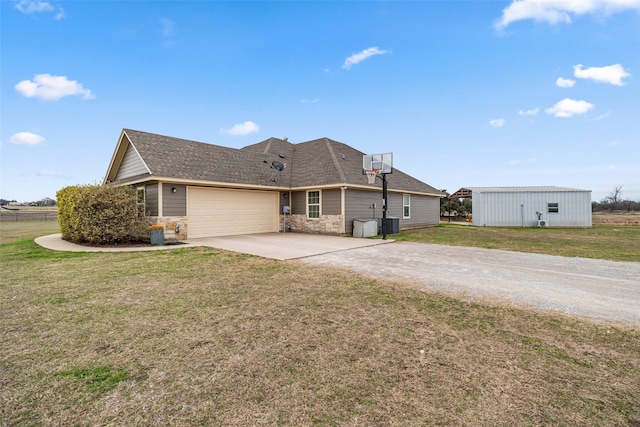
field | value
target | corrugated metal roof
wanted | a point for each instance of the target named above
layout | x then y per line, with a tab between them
531	189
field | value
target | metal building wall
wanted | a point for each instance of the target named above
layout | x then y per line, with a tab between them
518	209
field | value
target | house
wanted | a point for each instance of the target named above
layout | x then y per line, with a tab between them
528	206
198	190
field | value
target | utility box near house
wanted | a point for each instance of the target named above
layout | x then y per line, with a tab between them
393	225
365	228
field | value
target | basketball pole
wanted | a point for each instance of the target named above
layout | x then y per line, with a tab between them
384	206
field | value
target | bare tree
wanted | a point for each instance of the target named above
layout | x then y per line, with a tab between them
614	198
616	194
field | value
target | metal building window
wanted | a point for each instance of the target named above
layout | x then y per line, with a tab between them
313	204
406	205
552	207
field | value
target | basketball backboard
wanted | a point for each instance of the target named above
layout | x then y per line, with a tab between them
382	162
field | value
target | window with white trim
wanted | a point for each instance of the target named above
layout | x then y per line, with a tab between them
406	205
313	204
141	201
552	207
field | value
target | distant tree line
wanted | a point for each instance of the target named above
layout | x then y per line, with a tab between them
615	202
44	202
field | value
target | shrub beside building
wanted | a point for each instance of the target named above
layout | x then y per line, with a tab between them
101	214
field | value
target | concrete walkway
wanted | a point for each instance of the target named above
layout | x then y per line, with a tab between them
56	243
279	246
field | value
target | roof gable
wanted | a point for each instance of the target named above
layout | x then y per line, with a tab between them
131	165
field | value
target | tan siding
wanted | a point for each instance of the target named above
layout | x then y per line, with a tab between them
131	165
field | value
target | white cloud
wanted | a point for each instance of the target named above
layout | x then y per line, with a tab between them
560	11
531	112
356	58
309	101
612	74
562	82
31	6
26	138
241	129
48	87
569	107
497	123
602	116
168	26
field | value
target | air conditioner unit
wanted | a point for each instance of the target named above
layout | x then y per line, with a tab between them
543	223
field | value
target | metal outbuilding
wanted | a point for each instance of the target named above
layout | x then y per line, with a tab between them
528	206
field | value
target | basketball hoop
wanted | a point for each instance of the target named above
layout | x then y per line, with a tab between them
371	175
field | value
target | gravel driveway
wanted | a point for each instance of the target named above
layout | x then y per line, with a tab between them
593	289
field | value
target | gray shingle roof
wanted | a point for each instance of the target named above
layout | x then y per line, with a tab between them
180	158
317	163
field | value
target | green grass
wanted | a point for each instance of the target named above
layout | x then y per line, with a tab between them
199	336
616	243
11	231
101	379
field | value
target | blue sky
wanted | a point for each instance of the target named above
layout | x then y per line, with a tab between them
464	93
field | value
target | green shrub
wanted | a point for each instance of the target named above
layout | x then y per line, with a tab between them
100	214
68	220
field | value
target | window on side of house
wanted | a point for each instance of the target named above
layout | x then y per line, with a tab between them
313	204
552	207
406	205
141	202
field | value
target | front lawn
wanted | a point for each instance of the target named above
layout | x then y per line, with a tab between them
199	336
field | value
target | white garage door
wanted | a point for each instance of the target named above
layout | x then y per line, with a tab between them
223	212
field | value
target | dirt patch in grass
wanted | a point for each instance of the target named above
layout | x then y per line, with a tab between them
199	336
616	218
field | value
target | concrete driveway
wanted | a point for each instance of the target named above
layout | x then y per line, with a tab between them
285	245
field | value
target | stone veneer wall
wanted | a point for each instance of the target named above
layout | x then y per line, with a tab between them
327	224
175	227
